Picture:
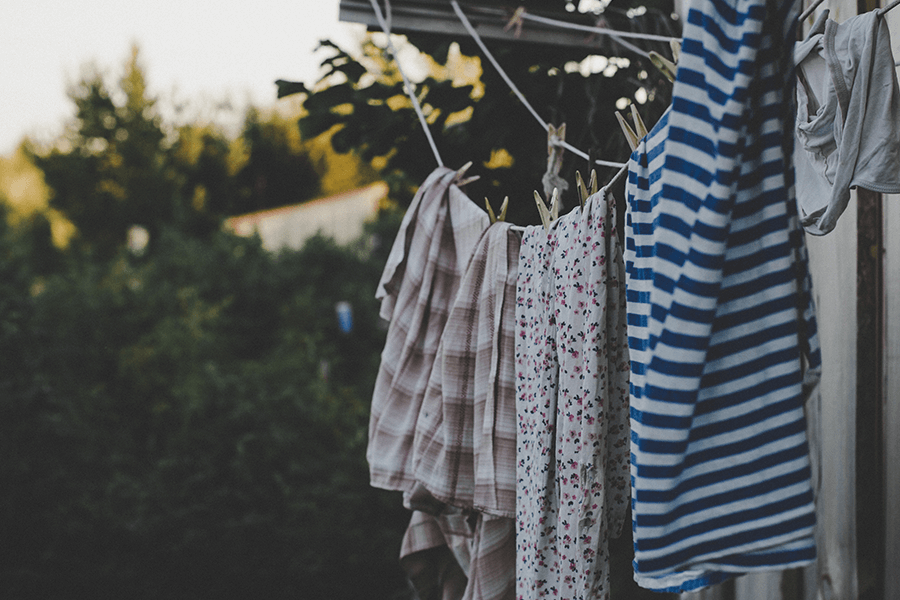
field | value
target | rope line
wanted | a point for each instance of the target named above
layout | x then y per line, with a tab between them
515	90
614	33
407	86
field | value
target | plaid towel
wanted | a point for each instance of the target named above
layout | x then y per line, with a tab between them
465	445
420	281
572	404
720	312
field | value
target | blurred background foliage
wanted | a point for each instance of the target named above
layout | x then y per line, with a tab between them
186	420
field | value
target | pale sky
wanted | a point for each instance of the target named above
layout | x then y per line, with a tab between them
198	51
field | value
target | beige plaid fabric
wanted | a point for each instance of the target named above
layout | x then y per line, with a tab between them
419	283
465	443
459	555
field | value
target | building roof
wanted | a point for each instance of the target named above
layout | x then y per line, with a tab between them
341	217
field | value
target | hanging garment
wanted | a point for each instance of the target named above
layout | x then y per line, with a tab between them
457	554
720	313
418	285
432	552
848	118
465	444
572	404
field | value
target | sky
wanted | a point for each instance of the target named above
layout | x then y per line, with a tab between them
202	52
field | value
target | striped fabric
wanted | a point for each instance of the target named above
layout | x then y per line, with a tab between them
720	316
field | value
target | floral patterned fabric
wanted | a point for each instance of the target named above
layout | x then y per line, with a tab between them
572	404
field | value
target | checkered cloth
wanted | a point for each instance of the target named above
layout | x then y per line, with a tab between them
465	445
420	281
458	555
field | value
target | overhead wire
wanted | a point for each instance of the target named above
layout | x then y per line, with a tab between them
512	86
613	33
385	24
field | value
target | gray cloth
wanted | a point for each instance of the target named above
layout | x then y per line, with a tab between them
848	118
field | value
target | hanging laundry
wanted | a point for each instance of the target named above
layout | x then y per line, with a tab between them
458	555
465	444
720	313
435	555
848	118
572	403
419	282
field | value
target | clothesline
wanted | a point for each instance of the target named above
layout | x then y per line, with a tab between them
385	25
613	33
407	86
515	90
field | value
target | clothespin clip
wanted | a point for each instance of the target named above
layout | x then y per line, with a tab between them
490	211
517	21
585	192
633	137
582	189
630	135
665	65
460	174
551	178
675	45
548	215
819	25
640	128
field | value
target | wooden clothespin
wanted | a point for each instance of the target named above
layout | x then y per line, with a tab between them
665	65
585	191
582	189
675	45
818	25
490	211
516	22
630	136
633	137
551	178
460	180
548	215
640	128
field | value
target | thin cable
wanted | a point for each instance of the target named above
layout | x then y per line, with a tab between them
490	57
594	29
408	88
616	177
812	8
515	90
616	35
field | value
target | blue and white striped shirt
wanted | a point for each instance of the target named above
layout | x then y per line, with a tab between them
720	315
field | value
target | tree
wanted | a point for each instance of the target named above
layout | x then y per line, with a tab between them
482	121
118	167
112	170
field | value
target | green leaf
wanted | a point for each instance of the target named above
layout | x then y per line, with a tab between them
289	88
